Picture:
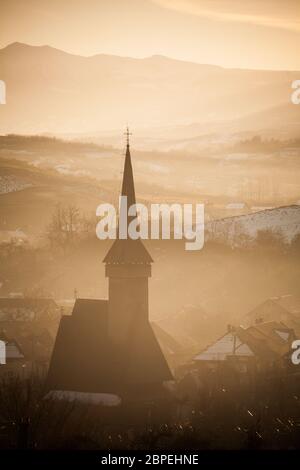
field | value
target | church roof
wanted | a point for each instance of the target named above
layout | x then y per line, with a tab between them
146	362
84	360
79	358
128	252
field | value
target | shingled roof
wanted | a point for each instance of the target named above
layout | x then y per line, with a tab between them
84	359
128	252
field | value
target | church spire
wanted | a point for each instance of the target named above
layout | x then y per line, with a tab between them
127	133
127	250
128	182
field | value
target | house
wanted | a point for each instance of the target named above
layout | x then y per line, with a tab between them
230	346
32	339
27	309
248	350
108	347
12	358
290	302
276	336
29	326
281	309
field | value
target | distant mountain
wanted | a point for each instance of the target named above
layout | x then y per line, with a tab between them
49	90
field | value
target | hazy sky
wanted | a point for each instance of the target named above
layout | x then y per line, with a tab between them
232	33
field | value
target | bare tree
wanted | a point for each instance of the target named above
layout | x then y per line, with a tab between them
64	227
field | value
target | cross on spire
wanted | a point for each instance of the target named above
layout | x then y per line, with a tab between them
127	133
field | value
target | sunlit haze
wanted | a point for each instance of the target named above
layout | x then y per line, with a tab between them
248	34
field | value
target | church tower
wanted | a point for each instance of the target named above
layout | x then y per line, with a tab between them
128	267
108	346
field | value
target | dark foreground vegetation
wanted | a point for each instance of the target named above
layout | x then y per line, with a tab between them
230	415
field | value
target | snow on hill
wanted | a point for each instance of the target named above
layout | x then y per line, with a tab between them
283	222
10	183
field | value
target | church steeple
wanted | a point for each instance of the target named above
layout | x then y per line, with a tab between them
128	267
127	251
128	182
109	346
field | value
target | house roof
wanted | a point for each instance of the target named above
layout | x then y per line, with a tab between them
85	360
12	348
290	302
283	309
275	335
293	323
34	340
273	328
267	307
265	340
258	345
287	305
227	345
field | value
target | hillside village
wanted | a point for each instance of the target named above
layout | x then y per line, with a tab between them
227	354
150	233
263	338
246	361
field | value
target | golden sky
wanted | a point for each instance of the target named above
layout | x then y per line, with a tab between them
261	34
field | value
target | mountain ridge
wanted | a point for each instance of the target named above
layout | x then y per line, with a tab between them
18	45
72	93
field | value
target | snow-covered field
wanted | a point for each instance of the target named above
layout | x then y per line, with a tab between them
104	399
18	236
10	183
283	222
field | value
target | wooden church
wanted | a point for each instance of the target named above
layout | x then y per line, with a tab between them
108	346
